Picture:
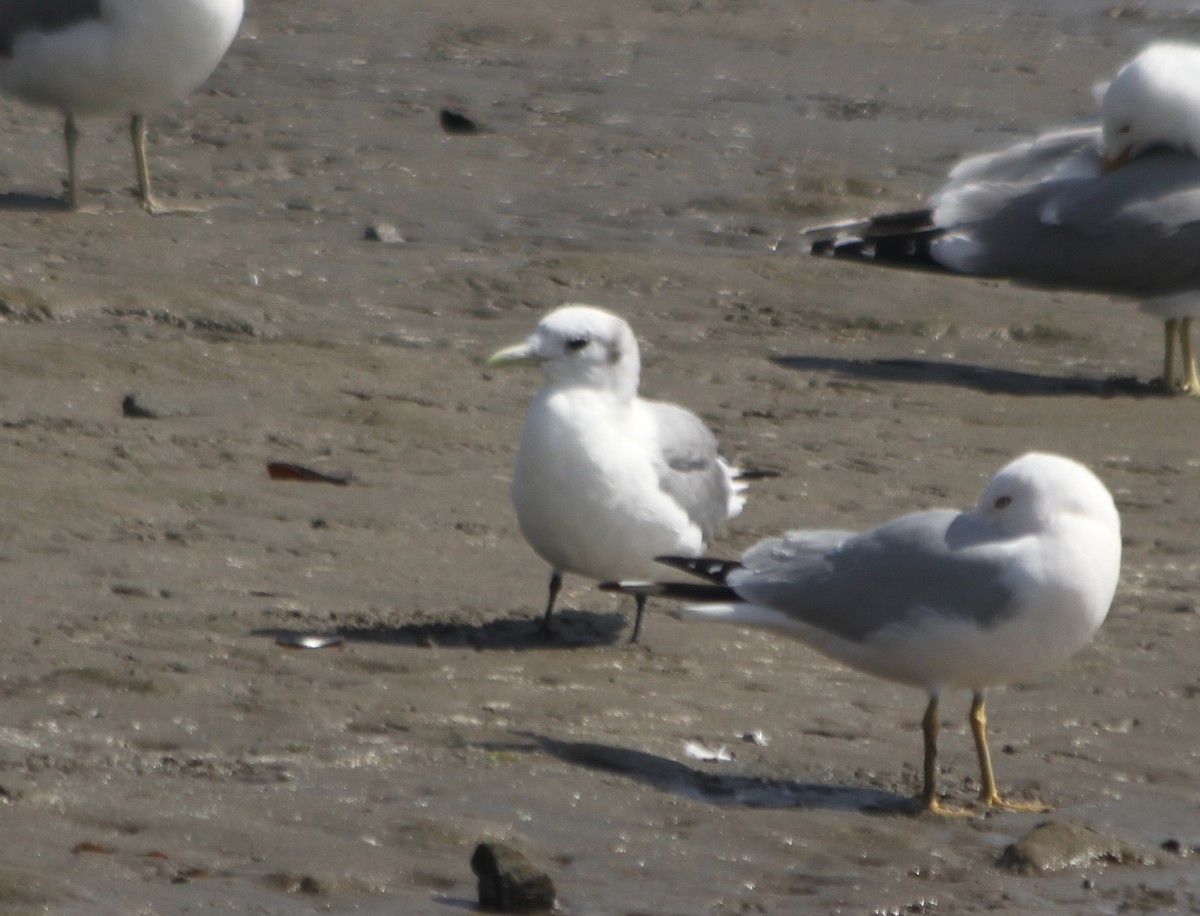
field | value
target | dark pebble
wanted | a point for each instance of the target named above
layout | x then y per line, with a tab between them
509	882
455	122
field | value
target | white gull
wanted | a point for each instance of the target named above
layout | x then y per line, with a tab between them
604	480
936	599
1109	208
111	57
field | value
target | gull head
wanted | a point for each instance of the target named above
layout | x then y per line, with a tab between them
1033	493
1153	101
578	345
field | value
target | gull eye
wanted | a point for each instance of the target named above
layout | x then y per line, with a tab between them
577	343
1124	128
1003	502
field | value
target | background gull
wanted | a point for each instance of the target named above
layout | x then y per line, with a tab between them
604	480
102	57
1111	208
936	599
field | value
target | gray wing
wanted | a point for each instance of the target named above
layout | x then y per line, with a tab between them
852	585
17	16
977	189
691	471
1044	214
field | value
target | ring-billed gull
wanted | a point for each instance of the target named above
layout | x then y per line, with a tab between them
97	57
1111	208
936	599
604	481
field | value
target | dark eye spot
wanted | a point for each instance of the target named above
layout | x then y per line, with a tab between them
577	343
1003	502
1124	128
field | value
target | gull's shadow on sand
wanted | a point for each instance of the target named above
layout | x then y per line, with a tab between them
734	790
979	378
569	629
22	200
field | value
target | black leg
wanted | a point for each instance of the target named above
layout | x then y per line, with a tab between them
637	623
71	136
555	586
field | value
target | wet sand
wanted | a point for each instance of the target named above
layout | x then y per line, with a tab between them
645	158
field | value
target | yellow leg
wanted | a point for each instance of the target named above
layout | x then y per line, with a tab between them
1168	376
1191	382
929	728
71	136
929	799
988	793
137	133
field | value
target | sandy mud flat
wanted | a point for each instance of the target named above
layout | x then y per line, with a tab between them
160	752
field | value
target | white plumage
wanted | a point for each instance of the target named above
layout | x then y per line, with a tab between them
111	57
604	480
936	599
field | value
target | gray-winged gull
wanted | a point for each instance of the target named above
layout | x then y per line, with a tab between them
604	480
1111	208
105	57
937	599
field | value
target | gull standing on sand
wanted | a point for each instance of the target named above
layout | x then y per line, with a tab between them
1110	208
936	599
604	481
107	57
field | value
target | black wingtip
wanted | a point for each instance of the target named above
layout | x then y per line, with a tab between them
710	569
698	592
892	239
755	474
630	587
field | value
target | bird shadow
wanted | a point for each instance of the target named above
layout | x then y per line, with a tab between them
979	378
23	200
723	789
569	629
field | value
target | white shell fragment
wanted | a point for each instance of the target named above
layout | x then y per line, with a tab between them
308	640
698	751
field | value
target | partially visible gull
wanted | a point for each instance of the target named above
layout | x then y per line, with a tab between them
1111	208
604	481
936	599
109	57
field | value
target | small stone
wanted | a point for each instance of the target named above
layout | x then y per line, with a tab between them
149	407
509	882
385	233
455	122
291	883
1053	846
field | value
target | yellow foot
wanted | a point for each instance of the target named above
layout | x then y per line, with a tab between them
995	800
979	809
155	207
1180	386
944	810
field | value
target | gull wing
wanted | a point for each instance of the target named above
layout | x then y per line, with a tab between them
854	585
